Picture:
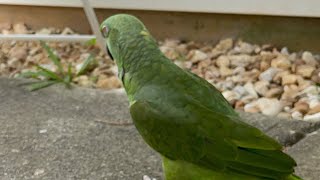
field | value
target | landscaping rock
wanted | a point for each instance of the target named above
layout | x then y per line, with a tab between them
307	153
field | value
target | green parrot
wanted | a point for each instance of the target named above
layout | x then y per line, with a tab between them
185	118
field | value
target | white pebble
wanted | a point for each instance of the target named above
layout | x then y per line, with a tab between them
239	70
285	51
240	90
251	107
268	74
261	87
250	89
230	95
287	109
38	172
199	56
311	90
297	115
42	131
313	117
308	58
270	107
145	177
313	102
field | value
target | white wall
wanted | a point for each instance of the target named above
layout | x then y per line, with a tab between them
303	8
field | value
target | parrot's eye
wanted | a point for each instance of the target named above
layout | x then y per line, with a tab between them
104	31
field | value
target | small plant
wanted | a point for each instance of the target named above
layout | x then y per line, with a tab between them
47	77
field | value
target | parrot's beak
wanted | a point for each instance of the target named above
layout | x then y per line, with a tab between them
104	31
109	53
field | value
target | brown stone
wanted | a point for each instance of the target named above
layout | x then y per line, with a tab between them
267	56
18	52
316	76
241	60
281	62
239	105
252	107
290	93
278	77
197	56
264	65
224	45
289	79
204	64
301	106
20	28
108	82
261	87
223	61
274	92
225	71
305	70
309	59
315	109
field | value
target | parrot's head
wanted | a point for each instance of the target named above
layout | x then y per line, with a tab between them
122	32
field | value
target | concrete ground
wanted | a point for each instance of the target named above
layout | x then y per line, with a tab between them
56	133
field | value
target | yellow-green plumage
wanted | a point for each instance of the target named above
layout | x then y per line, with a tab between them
185	118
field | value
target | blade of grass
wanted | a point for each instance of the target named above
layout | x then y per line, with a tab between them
53	57
91	42
85	64
30	74
68	77
39	85
49	74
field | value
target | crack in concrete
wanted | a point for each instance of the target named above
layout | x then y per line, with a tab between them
306	133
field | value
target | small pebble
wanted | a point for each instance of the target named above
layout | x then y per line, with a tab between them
38	172
269	107
313	117
43	131
268	74
250	89
297	115
251	107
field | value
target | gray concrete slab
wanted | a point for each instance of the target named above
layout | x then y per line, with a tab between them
287	132
56	133
307	154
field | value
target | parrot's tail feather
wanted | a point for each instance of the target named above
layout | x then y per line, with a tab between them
272	164
294	177
255	171
266	159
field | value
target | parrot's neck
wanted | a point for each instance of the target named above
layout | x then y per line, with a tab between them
138	52
139	63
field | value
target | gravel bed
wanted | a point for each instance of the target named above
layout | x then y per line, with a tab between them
253	78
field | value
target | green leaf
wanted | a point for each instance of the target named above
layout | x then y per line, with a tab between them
85	65
41	84
30	74
91	42
53	57
68	77
48	74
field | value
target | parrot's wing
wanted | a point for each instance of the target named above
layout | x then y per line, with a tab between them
216	141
